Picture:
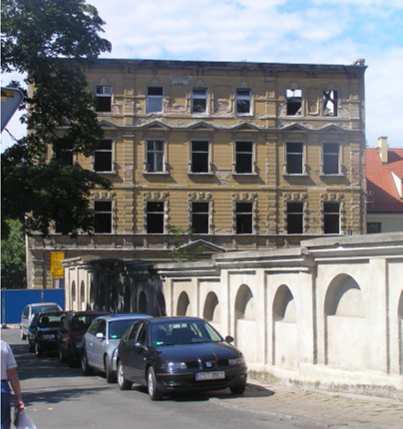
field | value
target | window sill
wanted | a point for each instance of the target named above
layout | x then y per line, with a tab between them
332	175
156	173
234	173
207	173
105	172
243	115
296	175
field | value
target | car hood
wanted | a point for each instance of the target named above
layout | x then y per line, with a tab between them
204	351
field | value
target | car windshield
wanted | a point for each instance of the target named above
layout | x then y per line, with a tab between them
50	320
118	327
44	309
183	332
82	321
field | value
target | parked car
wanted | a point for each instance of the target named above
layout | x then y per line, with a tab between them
171	354
101	341
71	335
43	332
29	312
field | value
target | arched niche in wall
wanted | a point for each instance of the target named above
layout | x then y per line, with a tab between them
211	310
142	305
245	323
82	295
400	321
285	344
183	307
346	330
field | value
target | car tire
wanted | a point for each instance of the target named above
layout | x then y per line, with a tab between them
38	350
110	376
124	383
85	368
238	389
152	386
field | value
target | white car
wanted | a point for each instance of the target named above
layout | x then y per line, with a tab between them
29	312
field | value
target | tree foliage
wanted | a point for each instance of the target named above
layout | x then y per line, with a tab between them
50	42
13	273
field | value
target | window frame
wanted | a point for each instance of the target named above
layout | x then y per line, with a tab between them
164	170
287	99
303	162
148	112
251	213
104	212
112	151
243	97
253	160
209	171
302	213
155	212
103	94
325	98
200	213
339	164
331	214
378	224
199	97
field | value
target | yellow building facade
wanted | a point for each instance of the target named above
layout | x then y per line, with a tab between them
221	156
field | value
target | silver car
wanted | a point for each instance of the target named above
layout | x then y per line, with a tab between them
101	343
29	312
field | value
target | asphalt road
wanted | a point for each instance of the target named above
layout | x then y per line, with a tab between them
59	397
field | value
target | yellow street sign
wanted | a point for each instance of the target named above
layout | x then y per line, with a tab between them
56	267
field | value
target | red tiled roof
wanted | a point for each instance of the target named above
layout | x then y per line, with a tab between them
382	192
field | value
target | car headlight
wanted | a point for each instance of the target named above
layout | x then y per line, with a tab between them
236	361
173	366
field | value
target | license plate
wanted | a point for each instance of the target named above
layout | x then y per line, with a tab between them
211	375
48	337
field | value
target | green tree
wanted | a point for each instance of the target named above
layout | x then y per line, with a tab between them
50	42
13	273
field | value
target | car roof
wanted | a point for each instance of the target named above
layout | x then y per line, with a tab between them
125	316
175	319
39	304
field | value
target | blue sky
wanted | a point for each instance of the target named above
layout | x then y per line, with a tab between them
309	31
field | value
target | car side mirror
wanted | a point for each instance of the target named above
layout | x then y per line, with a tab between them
140	346
229	339
100	335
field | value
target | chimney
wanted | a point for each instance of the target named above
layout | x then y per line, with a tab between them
383	149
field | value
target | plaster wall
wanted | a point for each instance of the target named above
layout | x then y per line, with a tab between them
389	222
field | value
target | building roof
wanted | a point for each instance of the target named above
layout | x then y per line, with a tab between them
383	194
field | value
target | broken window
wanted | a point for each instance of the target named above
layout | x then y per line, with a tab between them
65	155
200	217
244	218
331	158
155	156
374	227
103	98
243	101
103	157
155	217
154	99
243	157
294	102
200	157
329	99
103	217
199	100
331	221
295	158
295	217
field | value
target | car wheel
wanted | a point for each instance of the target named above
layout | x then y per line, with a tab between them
238	389
109	374
124	384
152	387
38	350
85	368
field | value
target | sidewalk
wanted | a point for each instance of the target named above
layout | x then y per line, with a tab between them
319	409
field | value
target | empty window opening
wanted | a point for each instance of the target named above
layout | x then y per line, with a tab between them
374	227
155	217
244	157
65	155
199	100
155	156
243	103
103	98
331	158
244	218
295	217
294	102
103	157
154	99
329	99
103	217
295	158
331	213
200	157
200	218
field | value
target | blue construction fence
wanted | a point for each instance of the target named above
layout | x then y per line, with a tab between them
13	301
